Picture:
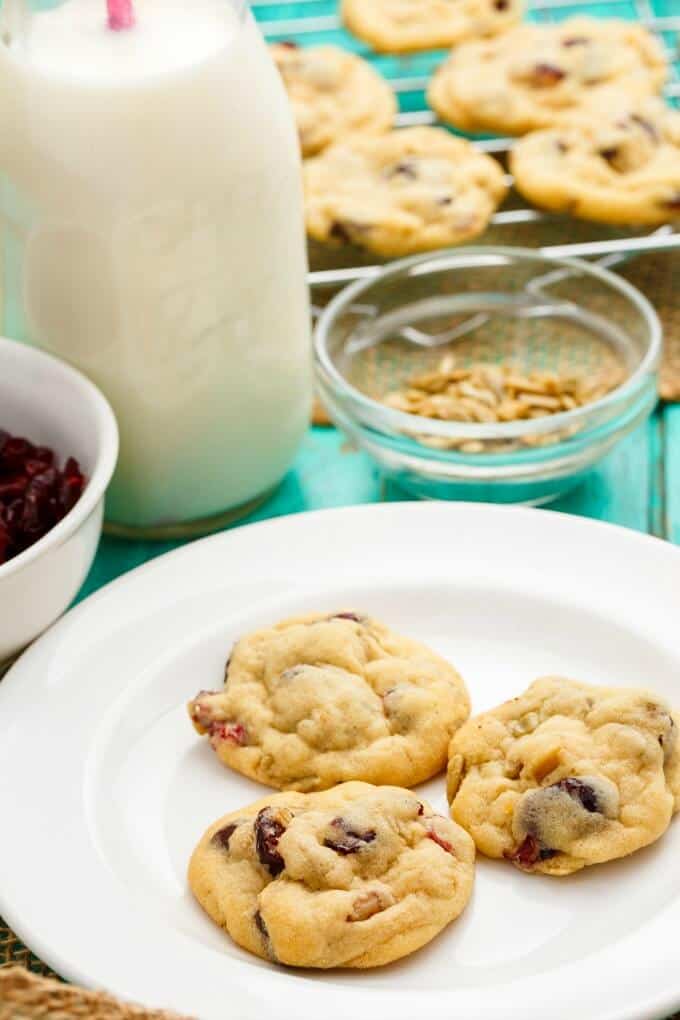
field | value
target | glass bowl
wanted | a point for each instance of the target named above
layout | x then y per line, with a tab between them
509	306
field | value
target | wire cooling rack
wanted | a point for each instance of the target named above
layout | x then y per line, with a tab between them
310	22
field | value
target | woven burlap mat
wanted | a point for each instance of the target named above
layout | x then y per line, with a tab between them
26	996
658	277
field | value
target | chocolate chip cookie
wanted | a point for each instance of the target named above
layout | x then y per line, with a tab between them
566	775
353	877
404	192
322	699
619	163
534	76
334	93
405	26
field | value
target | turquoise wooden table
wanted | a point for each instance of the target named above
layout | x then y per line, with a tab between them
637	485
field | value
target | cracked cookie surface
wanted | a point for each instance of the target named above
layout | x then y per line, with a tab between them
333	93
320	699
405	26
618	164
356	876
535	76
566	775
411	190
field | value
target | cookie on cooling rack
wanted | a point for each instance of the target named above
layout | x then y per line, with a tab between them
566	775
404	26
620	163
333	94
354	877
408	191
534	76
322	699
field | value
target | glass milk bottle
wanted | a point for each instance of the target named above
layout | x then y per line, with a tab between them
152	235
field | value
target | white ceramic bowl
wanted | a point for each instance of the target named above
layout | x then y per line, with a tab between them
53	405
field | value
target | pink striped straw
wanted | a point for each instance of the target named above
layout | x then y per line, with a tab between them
121	14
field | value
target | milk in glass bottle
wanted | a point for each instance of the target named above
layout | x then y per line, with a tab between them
152	235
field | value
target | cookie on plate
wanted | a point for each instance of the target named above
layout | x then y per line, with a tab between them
534	75
408	191
322	699
619	163
354	877
566	775
333	94
405	26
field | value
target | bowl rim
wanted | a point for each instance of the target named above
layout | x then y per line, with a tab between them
107	455
404	423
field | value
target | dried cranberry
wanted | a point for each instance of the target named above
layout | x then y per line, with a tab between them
33	466
348	841
575	40
529	852
580	791
34	493
232	731
501	5
15	451
421	809
290	44
44	455
545	75
440	841
12	486
348	616
222	836
268	832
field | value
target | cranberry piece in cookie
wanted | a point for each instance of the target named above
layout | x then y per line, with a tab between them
546	75
270	825
234	732
223	836
346	840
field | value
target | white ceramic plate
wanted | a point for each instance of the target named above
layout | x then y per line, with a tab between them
105	787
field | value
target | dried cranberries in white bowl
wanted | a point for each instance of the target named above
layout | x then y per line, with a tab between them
58	450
